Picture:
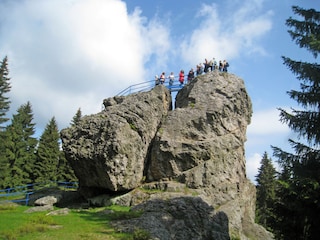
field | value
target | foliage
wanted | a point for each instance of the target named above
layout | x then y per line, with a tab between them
65	171
22	160
297	206
266	186
20	148
48	154
4	108
5	88
76	118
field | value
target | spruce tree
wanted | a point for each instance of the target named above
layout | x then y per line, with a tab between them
20	147
65	172
48	153
5	88
266	186
298	208
76	118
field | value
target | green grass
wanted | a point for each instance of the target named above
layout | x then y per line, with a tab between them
78	224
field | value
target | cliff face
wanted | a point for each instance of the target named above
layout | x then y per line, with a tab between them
195	151
201	142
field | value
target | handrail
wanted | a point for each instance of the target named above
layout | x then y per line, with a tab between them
29	189
148	85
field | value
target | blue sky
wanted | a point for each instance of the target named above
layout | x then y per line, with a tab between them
70	54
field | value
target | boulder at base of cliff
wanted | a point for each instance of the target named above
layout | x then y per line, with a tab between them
108	150
178	218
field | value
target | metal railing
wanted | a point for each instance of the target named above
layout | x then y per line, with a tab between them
148	85
22	193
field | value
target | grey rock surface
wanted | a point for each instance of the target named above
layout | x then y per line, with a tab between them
201	144
156	159
108	150
48	200
178	218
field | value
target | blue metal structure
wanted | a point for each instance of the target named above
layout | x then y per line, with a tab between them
22	193
148	85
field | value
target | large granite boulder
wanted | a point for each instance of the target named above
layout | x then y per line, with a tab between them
195	151
108	150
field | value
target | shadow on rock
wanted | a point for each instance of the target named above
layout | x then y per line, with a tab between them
178	218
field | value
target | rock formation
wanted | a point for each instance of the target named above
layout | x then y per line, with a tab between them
194	151
109	150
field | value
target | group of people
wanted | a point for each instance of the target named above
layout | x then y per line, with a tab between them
207	66
162	78
212	65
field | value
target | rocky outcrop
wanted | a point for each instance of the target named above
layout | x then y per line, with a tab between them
201	143
183	218
194	152
108	151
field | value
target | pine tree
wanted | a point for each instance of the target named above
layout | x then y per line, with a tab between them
20	147
4	108
65	172
76	118
48	153
5	87
297	208
266	186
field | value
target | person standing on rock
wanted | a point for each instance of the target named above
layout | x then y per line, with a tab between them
225	66
214	64
206	65
190	75
162	77
220	66
210	64
181	77
199	69
171	79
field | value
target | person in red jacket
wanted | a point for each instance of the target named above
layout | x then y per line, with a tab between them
181	77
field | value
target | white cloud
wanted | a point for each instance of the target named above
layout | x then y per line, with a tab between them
69	54
228	33
265	130
267	122
252	165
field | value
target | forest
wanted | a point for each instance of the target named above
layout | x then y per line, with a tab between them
288	201
24	159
